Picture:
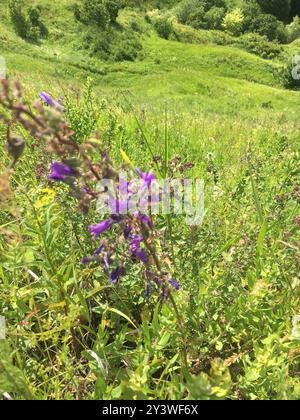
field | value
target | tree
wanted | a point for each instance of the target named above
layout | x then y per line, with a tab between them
164	27
113	7
268	25
293	29
295	8
191	12
209	4
214	18
27	23
18	17
233	22
281	9
101	12
251	10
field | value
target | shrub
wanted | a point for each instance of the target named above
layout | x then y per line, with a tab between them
191	12
109	42
268	25
295	8
18	18
214	18
93	12
115	45
100	12
289	75
259	45
293	29
126	48
206	14
27	24
164	27
279	8
113	7
233	22
209	4
34	16
251	10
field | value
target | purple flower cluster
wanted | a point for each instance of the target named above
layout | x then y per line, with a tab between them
97	230
113	254
47	99
61	172
136	249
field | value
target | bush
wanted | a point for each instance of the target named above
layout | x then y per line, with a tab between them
103	13
190	35
259	45
233	22
293	29
251	10
115	45
281	9
34	16
289	75
295	8
127	48
214	18
191	13
206	14
18	18
27	24
269	26
110	41
164	27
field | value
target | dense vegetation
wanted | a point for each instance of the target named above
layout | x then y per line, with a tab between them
199	89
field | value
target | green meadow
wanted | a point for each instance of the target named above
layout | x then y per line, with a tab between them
71	333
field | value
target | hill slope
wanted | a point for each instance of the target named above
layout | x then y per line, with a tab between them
192	73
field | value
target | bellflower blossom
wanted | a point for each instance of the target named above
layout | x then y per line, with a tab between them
61	172
147	177
47	99
97	230
137	251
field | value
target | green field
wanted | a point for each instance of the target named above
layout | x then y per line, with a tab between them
73	335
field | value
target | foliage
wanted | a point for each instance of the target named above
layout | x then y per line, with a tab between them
82	115
289	75
269	26
207	15
114	45
259	45
103	13
18	18
205	109
214	18
27	24
109	40
281	9
293	29
251	10
191	13
295	8
164	27
233	22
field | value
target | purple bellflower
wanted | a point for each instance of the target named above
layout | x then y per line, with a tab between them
147	177
97	230
61	172
137	251
47	99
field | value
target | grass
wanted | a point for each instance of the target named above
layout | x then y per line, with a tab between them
218	107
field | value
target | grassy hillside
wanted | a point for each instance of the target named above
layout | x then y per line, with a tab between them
219	112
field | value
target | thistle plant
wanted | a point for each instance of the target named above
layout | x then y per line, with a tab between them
124	238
